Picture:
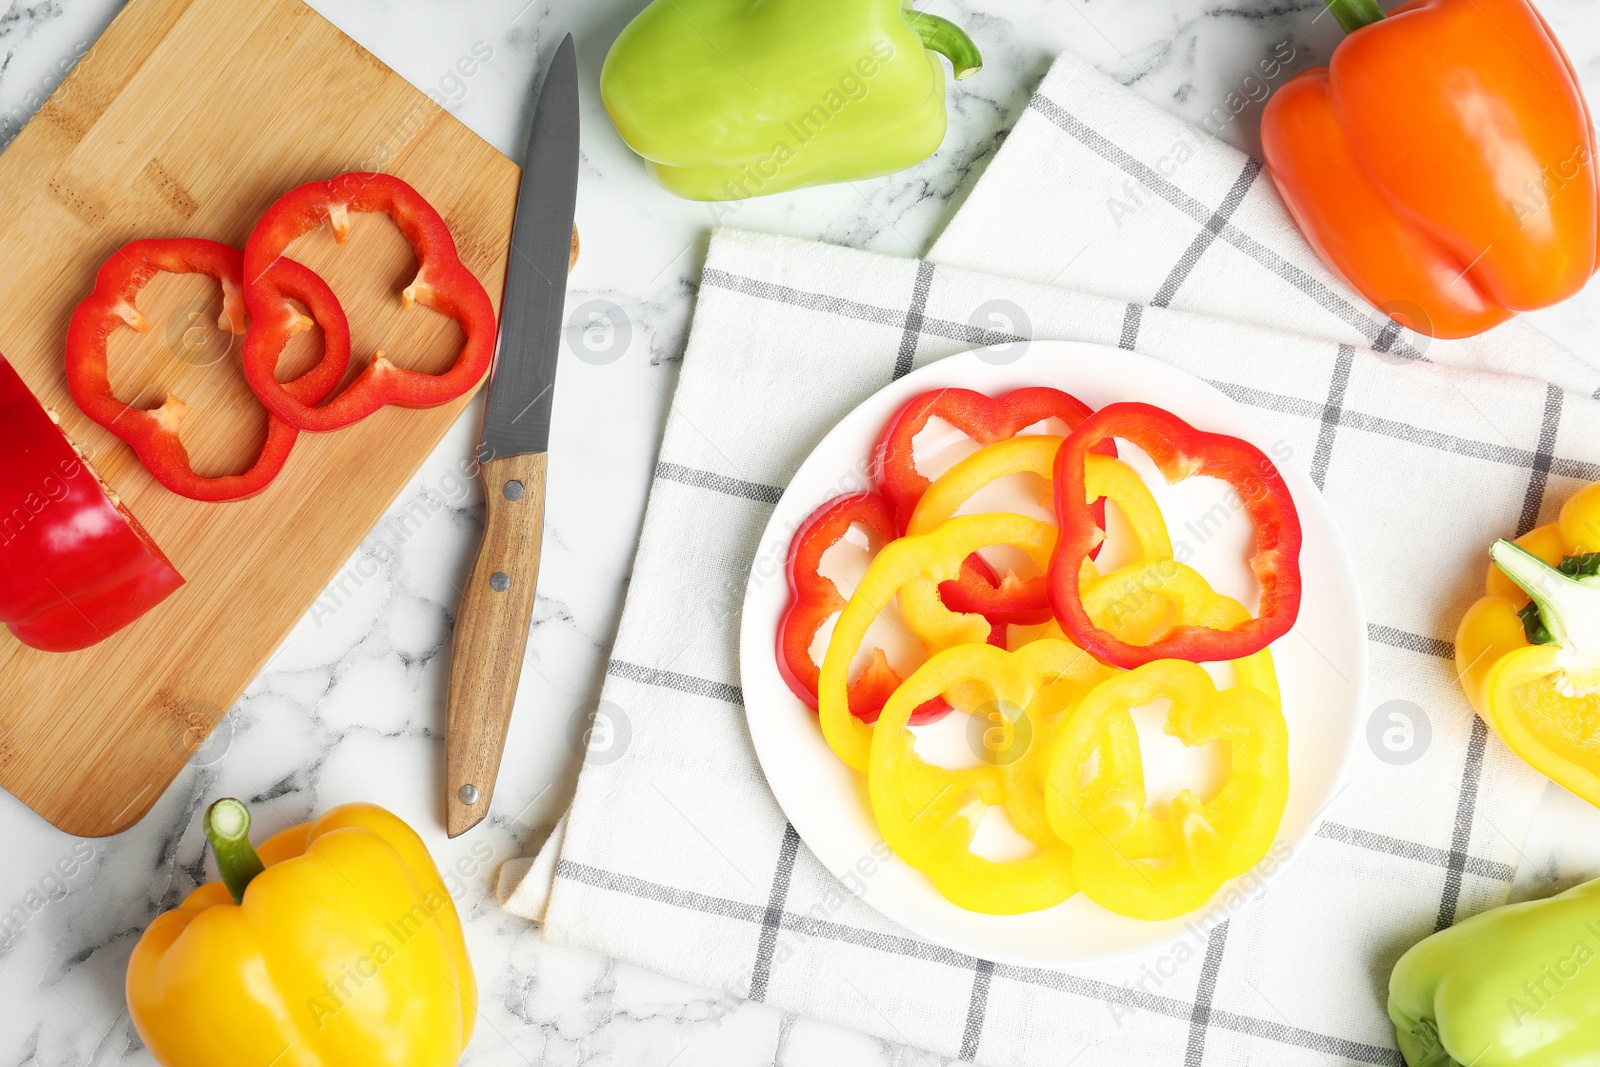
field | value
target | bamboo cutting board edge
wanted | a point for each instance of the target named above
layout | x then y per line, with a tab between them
88	739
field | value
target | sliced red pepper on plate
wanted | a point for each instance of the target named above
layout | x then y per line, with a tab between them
986	419
814	599
1180	451
442	283
75	565
153	434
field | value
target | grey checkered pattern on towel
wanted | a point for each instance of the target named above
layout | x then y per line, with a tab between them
676	856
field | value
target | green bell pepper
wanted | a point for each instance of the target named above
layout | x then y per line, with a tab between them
1518	986
729	99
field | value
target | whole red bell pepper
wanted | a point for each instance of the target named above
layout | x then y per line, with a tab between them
1179	451
442	282
985	419
153	434
814	599
1443	162
75	565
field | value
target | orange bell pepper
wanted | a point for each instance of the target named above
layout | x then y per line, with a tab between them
1443	162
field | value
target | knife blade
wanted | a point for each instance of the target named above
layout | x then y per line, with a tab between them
491	631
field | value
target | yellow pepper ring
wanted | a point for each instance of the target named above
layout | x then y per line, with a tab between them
1022	773
1197	846
1124	593
933	557
935	625
1105	476
934	834
1198	604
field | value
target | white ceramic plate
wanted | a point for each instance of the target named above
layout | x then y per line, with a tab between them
1321	663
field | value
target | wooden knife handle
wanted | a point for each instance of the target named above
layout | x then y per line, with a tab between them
491	634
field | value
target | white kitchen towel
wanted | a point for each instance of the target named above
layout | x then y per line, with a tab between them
675	855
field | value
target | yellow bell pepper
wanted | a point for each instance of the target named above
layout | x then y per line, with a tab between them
929	814
337	944
1126	858
1543	699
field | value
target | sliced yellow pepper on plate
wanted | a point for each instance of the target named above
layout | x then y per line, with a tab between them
1126	858
933	829
1105	476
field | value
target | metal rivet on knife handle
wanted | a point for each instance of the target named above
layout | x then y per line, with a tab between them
513	490
468	794
499	581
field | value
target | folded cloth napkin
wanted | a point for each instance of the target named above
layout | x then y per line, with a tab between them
674	853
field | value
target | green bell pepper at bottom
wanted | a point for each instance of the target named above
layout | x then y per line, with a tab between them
1517	986
729	99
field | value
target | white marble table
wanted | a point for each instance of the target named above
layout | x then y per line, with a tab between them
352	707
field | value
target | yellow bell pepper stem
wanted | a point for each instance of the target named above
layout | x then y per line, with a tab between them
1569	606
227	827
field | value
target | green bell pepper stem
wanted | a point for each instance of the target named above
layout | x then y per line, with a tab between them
951	41
1354	14
227	826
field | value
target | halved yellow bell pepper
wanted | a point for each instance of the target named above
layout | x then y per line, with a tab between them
337	943
929	814
1104	476
1126	858
1542	699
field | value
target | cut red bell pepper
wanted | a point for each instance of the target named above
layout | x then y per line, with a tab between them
985	419
1179	451
814	599
442	282
153	434
75	565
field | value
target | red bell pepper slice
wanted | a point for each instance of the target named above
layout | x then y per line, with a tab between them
153	434
814	599
442	283
985	419
1179	451
75	565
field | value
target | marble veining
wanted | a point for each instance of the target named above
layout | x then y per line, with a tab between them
352	706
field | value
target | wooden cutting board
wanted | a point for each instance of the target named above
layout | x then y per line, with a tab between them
188	118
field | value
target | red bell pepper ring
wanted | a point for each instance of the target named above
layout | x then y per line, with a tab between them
75	565
814	599
442	283
153	434
985	419
1179	451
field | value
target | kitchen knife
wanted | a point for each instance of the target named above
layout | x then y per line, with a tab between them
491	631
